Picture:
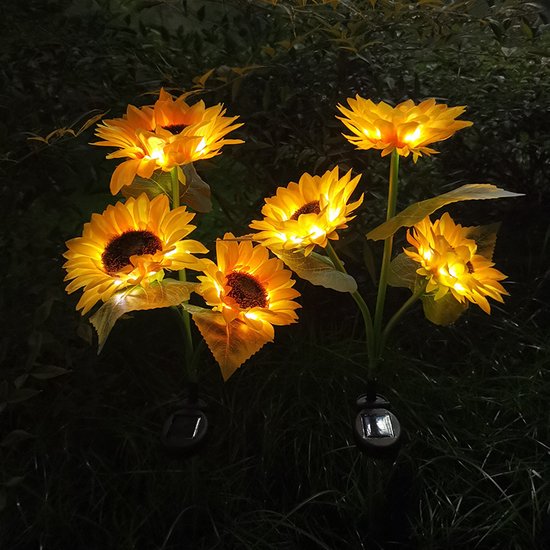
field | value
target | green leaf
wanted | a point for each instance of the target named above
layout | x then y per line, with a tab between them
403	272
190	308
444	311
195	192
318	270
84	331
22	394
418	211
165	293
485	237
45	372
159	183
231	344
21	380
90	122
15	437
13	481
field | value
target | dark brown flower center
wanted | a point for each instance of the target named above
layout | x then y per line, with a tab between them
246	290
175	128
470	267
309	208
116	255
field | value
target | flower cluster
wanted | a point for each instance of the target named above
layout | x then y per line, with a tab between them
407	128
163	136
248	285
130	244
308	213
449	261
133	244
124	253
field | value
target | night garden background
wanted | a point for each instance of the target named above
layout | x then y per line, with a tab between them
81	464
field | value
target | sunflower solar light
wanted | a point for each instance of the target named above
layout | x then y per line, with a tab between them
447	267
136	254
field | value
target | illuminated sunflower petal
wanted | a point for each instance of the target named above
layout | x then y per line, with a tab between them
171	133
130	243
307	213
450	261
124	174
406	128
248	288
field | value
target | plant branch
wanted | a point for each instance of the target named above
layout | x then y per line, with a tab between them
185	317
361	304
418	293
386	258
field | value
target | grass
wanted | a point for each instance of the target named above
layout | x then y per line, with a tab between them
81	463
280	469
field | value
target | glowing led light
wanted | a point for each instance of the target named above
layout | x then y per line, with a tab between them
333	213
158	155
414	136
201	146
377	134
219	289
316	232
427	255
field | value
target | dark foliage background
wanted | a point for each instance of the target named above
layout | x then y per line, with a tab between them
81	464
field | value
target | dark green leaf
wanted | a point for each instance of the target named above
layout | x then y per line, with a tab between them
318	270
418	211
444	311
403	272
166	293
13	481
45	372
22	394
15	437
485	237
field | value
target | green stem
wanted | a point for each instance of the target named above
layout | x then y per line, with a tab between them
175	188
189	352
185	317
361	304
386	258
400	312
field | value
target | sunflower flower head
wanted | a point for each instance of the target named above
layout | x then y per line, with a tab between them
407	128
129	244
167	134
246	284
450	262
175	114
308	213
